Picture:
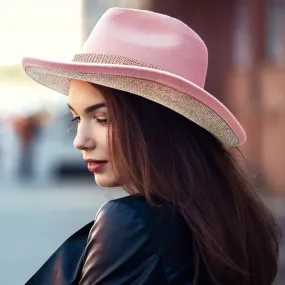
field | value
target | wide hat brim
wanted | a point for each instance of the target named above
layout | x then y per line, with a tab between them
167	89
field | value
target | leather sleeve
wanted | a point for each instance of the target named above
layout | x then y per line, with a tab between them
119	249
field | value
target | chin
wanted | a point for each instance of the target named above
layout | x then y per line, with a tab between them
105	181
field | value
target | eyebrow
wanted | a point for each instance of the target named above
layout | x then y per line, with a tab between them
91	108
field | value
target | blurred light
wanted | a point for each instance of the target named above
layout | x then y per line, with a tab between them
46	28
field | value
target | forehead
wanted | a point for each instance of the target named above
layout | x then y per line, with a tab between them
81	92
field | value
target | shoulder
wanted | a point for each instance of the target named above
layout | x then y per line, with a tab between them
117	217
134	212
115	210
120	248
130	208
118	231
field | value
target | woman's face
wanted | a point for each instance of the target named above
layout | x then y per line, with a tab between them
88	108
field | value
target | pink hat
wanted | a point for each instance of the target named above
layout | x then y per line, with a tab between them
150	55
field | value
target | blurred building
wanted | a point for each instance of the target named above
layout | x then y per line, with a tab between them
93	9
246	42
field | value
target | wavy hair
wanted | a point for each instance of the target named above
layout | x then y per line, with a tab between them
164	156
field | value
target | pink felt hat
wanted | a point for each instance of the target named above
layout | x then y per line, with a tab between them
150	55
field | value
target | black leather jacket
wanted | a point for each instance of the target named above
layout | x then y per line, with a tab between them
130	242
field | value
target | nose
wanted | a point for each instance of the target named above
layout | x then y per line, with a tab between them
83	139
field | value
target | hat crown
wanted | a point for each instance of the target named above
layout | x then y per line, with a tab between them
150	38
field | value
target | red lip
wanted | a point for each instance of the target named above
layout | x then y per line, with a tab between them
94	160
95	165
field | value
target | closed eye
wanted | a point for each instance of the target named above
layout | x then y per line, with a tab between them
101	121
75	119
74	122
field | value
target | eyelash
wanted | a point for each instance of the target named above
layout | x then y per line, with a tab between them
102	122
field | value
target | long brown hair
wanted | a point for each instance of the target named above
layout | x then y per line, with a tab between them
162	155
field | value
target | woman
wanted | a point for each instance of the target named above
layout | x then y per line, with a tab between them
144	122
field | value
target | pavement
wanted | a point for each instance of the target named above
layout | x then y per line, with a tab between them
36	219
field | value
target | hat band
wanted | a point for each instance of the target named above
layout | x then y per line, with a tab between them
112	59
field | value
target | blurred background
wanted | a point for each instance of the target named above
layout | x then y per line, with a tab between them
46	192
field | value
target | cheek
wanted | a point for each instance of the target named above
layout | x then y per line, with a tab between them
100	136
